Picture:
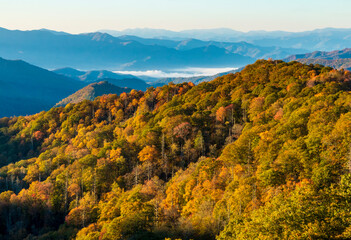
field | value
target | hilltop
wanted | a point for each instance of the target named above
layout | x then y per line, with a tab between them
92	91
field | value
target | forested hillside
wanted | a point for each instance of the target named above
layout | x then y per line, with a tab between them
259	154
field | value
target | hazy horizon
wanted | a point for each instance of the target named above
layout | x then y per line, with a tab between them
181	30
253	15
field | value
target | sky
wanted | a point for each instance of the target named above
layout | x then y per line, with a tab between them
77	16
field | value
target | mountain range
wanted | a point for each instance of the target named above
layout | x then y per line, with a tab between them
54	50
90	76
242	48
28	89
326	39
165	50
120	80
337	59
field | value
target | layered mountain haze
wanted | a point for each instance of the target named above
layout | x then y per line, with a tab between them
242	48
118	79
326	39
132	83
90	76
51	49
27	89
203	34
91	50
100	50
215	34
337	59
338	54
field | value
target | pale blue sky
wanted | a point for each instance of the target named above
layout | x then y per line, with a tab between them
90	15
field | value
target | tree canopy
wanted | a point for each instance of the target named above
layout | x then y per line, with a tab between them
259	154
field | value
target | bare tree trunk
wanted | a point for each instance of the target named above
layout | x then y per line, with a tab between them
163	145
349	160
156	213
172	170
148	171
83	217
136	174
94	187
109	116
66	191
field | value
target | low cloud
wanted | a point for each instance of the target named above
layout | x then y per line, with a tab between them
186	72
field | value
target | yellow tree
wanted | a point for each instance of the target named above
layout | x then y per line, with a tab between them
148	154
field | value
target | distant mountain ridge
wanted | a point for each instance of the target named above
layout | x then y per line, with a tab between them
98	50
92	91
338	54
172	50
27	89
326	39
337	59
118	79
214	34
242	48
90	76
54	50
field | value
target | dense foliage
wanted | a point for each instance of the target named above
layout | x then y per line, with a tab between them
260	154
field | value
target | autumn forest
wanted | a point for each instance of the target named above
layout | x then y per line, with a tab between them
264	153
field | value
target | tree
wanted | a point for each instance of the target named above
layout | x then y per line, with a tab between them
200	143
182	130
148	154
221	114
